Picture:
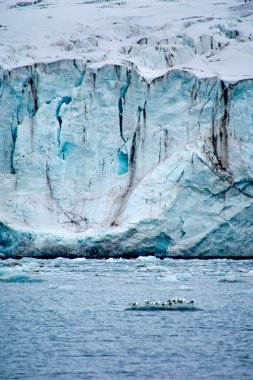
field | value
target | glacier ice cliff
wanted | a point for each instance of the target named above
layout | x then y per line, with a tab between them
97	161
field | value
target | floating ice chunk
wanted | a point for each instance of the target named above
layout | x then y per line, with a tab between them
65	288
174	304
184	276
14	264
148	258
110	260
247	292
185	288
231	279
169	277
218	273
250	273
80	259
154	268
19	278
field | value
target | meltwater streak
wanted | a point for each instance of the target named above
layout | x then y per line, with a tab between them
74	325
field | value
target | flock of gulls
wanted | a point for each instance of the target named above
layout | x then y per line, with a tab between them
170	304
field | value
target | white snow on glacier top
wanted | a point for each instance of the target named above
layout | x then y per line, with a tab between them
207	37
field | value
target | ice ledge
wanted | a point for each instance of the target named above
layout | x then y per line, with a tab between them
18	244
148	75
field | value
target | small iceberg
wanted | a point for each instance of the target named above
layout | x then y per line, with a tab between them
65	288
185	288
168	278
174	304
231	279
19	278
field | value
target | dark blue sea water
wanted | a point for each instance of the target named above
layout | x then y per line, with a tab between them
66	319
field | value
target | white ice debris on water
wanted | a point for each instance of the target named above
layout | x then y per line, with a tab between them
126	128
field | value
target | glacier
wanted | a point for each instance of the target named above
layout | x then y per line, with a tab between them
145	155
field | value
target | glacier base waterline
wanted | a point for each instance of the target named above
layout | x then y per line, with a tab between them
96	161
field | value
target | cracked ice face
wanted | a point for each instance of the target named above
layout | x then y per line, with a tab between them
119	163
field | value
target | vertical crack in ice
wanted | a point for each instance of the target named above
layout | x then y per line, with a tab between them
223	135
160	149
219	129
93	82
144	117
133	150
64	100
33	84
13	145
122	151
30	93
132	166
80	70
121	104
209	98
194	92
181	226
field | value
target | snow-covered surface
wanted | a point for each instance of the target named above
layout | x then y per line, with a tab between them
126	128
211	37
